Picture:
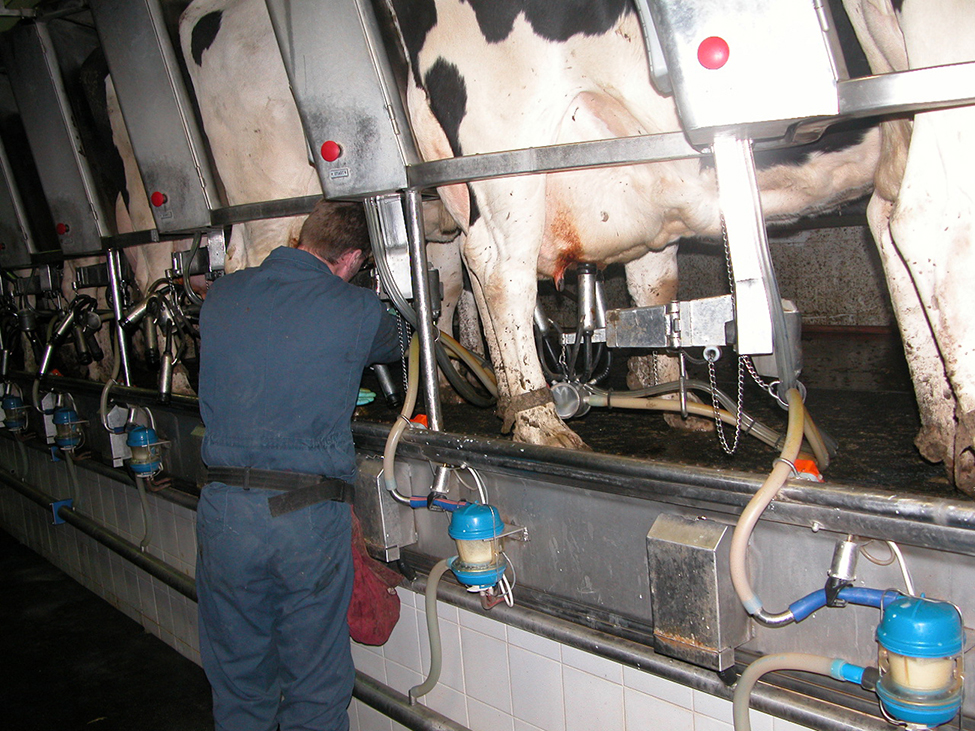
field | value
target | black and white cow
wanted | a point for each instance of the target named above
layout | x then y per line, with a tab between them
922	214
255	135
490	75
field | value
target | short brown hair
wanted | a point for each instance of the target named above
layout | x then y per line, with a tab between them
333	228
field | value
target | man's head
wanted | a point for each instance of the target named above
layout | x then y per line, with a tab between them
337	234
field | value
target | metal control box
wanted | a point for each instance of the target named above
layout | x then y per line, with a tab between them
348	101
62	164
158	115
696	615
754	66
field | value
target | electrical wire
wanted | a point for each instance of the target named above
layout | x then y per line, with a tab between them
895	555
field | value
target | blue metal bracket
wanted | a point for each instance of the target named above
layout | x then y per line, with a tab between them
57	505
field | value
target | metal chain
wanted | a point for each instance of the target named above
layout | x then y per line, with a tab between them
718	425
563	366
403	328
770	387
654	374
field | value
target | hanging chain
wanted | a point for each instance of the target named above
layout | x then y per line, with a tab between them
403	327
766	386
718	425
654	373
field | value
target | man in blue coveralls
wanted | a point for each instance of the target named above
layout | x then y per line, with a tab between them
283	350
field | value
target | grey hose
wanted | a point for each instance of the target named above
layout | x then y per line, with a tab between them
146	518
770	663
24	459
73	477
433	630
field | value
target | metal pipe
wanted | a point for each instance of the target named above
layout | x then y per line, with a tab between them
423	306
397	706
129	551
789	705
586	277
115	285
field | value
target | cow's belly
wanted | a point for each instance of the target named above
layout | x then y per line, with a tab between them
616	215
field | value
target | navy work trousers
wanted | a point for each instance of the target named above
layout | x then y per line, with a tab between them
273	597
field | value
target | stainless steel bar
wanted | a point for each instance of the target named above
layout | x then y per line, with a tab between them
908	91
552	158
115	285
264	209
423	306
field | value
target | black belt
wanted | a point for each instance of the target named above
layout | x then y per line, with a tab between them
300	489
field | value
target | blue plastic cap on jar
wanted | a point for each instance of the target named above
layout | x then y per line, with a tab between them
65	416
919	627
12	401
141	436
475	522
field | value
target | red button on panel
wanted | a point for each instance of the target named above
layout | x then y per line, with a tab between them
158	199
713	52
62	229
331	151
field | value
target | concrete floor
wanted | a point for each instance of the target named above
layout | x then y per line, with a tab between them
72	661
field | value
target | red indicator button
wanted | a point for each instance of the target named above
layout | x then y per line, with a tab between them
62	229
713	52
331	151
158	199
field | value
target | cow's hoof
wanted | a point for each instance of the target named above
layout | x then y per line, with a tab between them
542	426
964	471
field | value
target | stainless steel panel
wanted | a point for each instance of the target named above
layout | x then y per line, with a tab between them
345	93
684	324
696	614
16	243
638	327
35	77
780	66
158	116
386	525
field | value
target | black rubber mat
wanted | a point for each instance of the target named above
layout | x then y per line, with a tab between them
73	662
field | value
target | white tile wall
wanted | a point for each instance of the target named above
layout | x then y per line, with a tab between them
494	677
513	680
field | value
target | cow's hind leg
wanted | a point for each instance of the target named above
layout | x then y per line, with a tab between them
502	265
936	441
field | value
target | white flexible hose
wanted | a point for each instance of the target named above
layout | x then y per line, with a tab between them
770	663
403	422
666	404
756	506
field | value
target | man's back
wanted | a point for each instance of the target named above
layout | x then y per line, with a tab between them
284	347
